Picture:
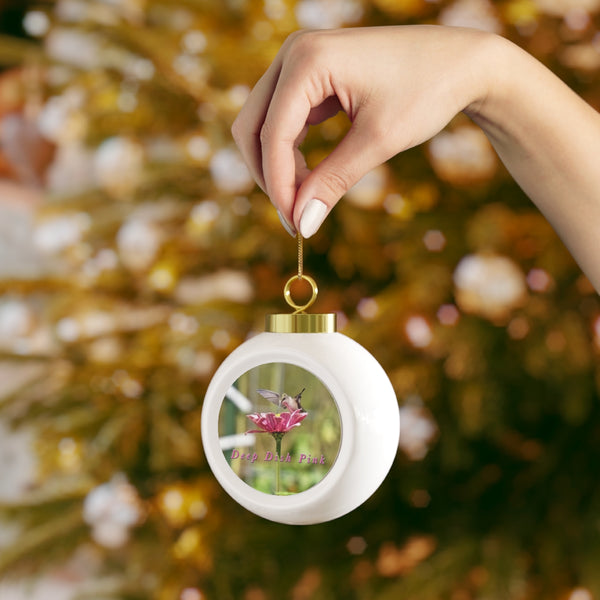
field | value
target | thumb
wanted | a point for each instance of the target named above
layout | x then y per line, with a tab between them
357	153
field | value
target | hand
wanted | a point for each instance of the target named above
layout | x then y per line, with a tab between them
398	85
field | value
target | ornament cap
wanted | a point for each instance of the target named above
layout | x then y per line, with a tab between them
301	323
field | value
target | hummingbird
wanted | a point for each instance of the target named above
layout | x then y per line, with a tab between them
290	402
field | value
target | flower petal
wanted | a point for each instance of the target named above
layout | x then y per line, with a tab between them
276	423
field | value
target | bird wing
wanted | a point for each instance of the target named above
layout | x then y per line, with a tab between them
273	397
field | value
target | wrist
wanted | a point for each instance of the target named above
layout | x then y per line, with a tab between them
494	64
512	104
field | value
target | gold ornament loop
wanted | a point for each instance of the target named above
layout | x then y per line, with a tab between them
287	293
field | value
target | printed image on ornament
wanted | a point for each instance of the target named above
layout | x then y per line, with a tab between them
279	429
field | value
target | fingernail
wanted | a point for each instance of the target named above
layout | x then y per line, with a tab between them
312	218
286	225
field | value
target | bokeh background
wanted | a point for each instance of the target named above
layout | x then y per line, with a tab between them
136	253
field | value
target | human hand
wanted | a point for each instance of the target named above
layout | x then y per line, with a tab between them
398	85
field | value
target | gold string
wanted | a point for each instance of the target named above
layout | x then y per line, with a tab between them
287	293
300	255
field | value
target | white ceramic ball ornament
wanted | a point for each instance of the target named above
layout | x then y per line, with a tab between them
300	424
328	444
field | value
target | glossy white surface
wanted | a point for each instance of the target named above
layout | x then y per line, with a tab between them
369	418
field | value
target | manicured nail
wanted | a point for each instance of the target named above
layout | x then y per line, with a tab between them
312	218
286	225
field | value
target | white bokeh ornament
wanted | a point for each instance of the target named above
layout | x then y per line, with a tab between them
112	509
300	424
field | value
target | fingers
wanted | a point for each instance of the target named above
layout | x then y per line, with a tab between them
271	126
284	126
298	90
247	126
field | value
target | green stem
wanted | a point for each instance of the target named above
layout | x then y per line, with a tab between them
278	437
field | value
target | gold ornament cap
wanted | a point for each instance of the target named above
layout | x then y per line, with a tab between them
299	321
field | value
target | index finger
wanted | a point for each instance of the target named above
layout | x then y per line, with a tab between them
248	124
298	91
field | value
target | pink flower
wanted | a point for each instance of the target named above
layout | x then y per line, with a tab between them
277	423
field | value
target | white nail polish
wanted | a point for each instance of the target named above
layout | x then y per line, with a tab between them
286	225
312	218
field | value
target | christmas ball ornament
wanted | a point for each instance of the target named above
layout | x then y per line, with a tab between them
300	424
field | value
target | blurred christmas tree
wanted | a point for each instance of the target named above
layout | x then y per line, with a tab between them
161	257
